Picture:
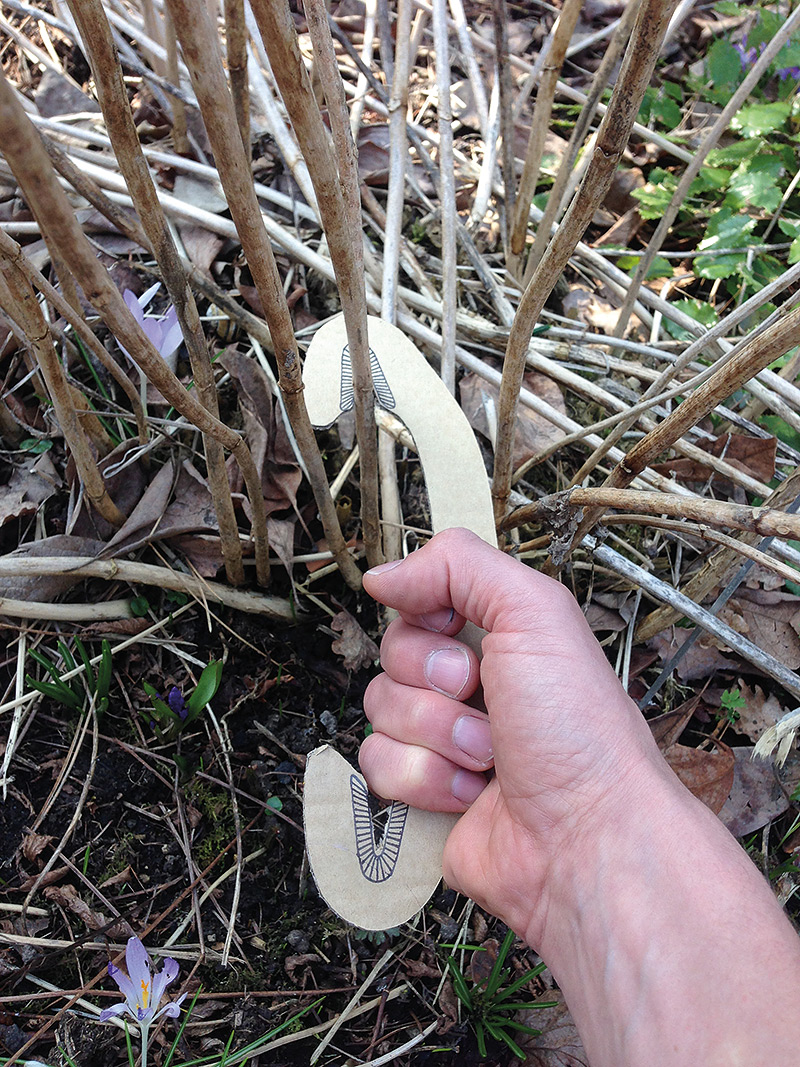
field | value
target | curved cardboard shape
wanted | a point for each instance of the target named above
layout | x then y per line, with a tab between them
377	872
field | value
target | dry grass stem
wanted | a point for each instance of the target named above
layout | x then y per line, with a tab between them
236	56
201	51
766	522
540	125
447	194
336	184
555	197
19	301
27	158
93	25
634	77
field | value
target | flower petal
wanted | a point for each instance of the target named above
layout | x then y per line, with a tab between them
124	984
173	1009
134	306
148	295
167	974
113	1012
173	335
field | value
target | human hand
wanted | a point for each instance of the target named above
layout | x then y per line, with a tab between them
569	748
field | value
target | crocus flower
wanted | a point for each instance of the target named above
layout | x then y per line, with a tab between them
142	989
164	332
176	702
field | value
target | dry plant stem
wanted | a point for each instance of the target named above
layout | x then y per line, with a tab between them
506	107
148	574
741	548
664	592
93	26
720	127
709	341
754	355
393	242
125	221
28	160
447	194
766	522
19	301
180	136
236	55
540	123
202	55
339	199
12	251
556	194
613	134
717	569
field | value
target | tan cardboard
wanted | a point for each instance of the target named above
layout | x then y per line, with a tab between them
377	872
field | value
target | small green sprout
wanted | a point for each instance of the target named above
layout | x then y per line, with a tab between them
730	703
491	1002
72	693
171	716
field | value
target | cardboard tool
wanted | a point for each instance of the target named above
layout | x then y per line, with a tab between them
376	870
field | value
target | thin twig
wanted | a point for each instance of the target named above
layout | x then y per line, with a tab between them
201	51
94	28
634	77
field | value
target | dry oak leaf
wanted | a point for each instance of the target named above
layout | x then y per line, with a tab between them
356	648
756	796
759	711
559	1044
709	775
479	402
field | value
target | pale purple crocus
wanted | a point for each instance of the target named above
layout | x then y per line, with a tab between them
164	332
143	990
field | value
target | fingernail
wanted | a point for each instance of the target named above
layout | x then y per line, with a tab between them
447	670
474	737
467	787
384	568
437	620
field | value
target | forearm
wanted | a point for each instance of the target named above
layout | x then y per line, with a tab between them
669	945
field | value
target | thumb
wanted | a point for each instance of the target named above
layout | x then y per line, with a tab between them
459	572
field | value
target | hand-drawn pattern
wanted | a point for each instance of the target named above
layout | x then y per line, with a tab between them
377	862
380	386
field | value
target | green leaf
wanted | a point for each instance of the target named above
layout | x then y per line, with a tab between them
207	685
659	268
755	182
695	309
139	606
668	112
760	119
723	63
654	197
734	153
35	445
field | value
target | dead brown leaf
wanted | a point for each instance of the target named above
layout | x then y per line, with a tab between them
701	661
265	433
756	796
356	647
769	620
559	1044
759	712
479	402
30	484
34	844
753	455
709	775
47	587
67	896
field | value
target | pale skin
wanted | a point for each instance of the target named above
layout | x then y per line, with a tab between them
666	940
